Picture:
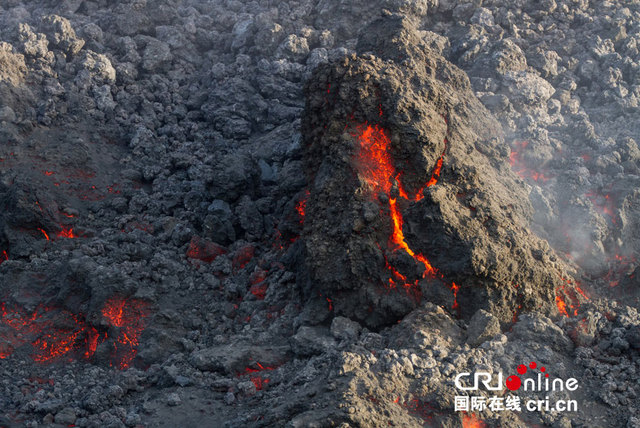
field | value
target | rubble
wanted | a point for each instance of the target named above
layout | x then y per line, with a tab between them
192	230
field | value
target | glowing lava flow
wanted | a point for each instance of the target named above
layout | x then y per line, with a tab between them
562	306
567	300
397	238
66	233
375	166
54	333
472	421
258	381
128	317
301	206
50	340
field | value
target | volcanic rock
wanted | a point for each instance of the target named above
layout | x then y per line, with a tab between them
482	327
451	217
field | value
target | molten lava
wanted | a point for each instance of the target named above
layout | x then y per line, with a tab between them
128	317
472	421
301	206
52	333
66	232
46	235
562	306
567	300
3	257
258	381
374	164
397	238
373	159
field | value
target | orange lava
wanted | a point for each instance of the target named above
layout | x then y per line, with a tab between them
455	289
472	421
301	206
562	306
373	160
46	235
50	340
374	164
66	232
567	299
397	238
259	382
128	316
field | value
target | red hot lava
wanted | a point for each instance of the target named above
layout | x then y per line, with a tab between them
243	256
374	164
258	381
472	421
258	286
301	206
54	334
567	300
128	317
3	257
66	232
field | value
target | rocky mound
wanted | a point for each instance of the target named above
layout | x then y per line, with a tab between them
411	192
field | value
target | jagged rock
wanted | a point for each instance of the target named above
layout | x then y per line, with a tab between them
61	35
482	327
345	329
449	230
311	340
12	65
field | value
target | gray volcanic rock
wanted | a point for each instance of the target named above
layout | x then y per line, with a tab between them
138	136
424	124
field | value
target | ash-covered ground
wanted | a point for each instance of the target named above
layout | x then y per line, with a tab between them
318	213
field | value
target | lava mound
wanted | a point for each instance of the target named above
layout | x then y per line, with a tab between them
411	193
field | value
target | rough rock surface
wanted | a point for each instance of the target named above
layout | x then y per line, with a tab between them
163	204
471	224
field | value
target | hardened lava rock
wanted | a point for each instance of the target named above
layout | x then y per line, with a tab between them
411	193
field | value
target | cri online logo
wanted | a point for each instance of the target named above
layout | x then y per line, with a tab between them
514	382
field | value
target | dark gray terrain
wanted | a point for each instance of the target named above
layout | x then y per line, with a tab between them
316	213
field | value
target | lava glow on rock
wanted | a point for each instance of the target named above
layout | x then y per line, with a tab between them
258	381
128	317
472	421
519	166
52	333
567	300
374	165
301	206
55	334
66	232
